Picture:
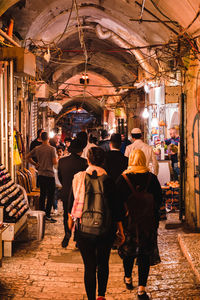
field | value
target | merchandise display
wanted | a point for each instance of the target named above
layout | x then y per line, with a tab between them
171	195
11	198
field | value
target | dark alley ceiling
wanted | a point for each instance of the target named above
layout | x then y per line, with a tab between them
101	37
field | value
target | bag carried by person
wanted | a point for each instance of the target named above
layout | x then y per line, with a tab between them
140	221
96	217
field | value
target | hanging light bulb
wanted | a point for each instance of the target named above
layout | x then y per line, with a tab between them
145	113
154	122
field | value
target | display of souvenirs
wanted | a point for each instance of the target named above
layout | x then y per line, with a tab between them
11	198
171	195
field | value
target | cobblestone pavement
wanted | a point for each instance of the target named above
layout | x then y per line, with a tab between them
44	270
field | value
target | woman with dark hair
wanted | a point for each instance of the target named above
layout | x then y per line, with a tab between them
142	196
95	248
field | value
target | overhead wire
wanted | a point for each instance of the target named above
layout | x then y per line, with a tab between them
67	24
175	23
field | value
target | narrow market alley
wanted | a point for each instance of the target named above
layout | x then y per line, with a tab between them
44	270
76	77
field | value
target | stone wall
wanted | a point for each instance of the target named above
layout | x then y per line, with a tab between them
192	217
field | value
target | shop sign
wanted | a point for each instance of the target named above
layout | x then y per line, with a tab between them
157	95
119	112
172	94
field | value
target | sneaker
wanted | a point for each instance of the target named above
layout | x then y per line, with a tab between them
65	242
101	298
51	220
143	296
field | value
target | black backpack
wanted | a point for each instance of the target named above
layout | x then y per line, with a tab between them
141	210
96	217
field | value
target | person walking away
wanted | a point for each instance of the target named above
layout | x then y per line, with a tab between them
46	159
95	242
104	143
142	196
151	160
125	143
115	161
89	145
68	166
173	144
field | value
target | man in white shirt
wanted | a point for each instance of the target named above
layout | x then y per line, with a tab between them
148	151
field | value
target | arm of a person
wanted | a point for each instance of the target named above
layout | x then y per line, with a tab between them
154	163
54	157
70	205
168	142
29	158
120	232
127	151
59	173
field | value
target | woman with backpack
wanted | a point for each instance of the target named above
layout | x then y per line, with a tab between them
97	215
142	195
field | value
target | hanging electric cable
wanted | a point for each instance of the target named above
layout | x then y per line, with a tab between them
175	23
82	41
69	17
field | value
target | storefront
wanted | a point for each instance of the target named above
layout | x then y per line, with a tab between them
162	113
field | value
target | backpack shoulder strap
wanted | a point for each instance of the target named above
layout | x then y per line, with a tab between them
129	183
132	187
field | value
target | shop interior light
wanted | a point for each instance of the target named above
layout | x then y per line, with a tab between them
51	134
145	113
154	122
111	131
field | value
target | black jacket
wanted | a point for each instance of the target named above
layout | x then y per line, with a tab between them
67	167
146	239
115	163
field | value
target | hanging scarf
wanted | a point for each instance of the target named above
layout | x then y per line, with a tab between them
137	162
78	185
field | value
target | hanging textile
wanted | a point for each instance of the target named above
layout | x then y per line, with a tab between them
16	156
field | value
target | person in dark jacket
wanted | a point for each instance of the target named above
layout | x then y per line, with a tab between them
144	226
104	143
68	166
95	250
115	161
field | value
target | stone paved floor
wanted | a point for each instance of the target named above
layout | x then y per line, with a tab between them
43	270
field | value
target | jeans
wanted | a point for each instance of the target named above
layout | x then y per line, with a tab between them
143	268
95	256
47	189
56	197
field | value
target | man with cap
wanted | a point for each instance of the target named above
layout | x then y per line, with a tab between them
115	161
151	160
68	166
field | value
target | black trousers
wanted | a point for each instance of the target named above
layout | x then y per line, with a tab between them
143	268
95	254
65	219
47	189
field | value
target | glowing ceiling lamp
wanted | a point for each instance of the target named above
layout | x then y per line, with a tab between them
84	79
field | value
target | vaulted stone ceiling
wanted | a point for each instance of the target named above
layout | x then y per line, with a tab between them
101	38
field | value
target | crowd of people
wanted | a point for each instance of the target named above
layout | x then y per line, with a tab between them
111	198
